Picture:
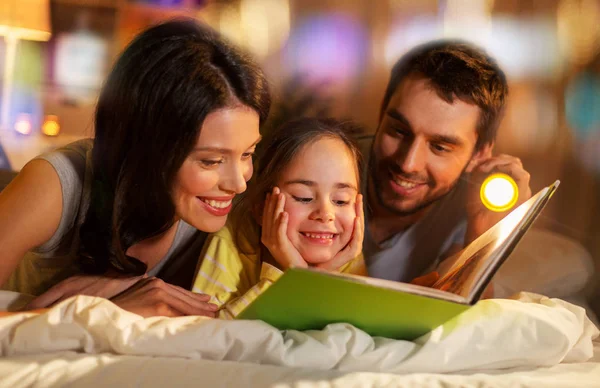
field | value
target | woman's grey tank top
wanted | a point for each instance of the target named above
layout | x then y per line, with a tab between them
56	259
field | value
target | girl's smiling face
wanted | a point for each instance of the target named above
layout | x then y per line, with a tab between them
320	186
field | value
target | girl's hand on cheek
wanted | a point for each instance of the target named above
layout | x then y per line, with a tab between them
274	232
354	246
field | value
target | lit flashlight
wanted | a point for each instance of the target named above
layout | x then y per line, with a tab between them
499	192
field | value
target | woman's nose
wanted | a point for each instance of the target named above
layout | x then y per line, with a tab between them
236	180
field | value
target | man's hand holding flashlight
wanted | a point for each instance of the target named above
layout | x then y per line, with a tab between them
491	193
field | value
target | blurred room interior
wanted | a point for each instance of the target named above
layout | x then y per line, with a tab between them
334	56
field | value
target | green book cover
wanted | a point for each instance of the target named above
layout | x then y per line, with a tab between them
307	299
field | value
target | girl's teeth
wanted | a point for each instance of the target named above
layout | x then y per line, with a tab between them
217	204
321	236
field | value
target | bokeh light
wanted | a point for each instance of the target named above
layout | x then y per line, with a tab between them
51	127
531	122
523	47
582	104
330	47
467	19
407	33
261	26
579	29
23	124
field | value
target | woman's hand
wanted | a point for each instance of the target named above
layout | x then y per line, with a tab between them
152	296
274	232
138	294
105	286
354	246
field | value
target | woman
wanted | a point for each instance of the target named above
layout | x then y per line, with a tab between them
175	130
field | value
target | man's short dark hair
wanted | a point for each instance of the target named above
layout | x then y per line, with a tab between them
457	69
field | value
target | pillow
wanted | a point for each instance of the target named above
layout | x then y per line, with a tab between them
545	263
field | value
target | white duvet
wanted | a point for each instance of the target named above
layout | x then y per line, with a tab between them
530	332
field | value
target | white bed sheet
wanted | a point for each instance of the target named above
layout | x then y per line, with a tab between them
84	341
109	370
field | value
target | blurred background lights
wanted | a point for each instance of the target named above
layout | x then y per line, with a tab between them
266	24
230	25
499	192
261	26
467	19
579	29
531	121
329	47
525	47
582	104
23	124
50	127
405	34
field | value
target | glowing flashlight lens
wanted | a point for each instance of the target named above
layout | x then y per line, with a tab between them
499	192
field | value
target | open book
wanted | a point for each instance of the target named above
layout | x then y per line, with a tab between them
304	299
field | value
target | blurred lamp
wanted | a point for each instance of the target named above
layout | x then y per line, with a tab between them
23	124
499	192
51	126
19	19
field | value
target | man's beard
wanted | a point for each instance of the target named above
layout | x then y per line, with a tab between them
403	213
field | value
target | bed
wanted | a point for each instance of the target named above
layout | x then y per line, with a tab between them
530	341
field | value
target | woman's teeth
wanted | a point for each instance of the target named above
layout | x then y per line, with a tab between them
216	204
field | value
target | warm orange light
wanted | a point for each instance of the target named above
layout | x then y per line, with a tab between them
23	124
51	126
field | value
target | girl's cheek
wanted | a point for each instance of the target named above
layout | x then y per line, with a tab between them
346	218
293	210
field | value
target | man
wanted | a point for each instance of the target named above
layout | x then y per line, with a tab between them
430	154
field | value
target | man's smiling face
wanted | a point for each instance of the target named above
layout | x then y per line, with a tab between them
421	148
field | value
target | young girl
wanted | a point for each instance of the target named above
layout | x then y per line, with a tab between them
302	210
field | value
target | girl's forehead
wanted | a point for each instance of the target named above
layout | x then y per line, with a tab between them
325	161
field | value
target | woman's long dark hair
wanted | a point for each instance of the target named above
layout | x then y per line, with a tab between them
275	153
148	120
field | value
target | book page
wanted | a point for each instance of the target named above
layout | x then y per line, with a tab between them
397	286
460	279
473	267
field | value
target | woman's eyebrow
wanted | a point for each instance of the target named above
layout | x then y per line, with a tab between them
223	150
213	149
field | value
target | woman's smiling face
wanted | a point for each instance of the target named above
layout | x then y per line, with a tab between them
217	168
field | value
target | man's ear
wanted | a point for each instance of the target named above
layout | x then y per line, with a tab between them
479	156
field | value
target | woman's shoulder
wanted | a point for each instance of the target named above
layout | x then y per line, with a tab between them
72	164
69	161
